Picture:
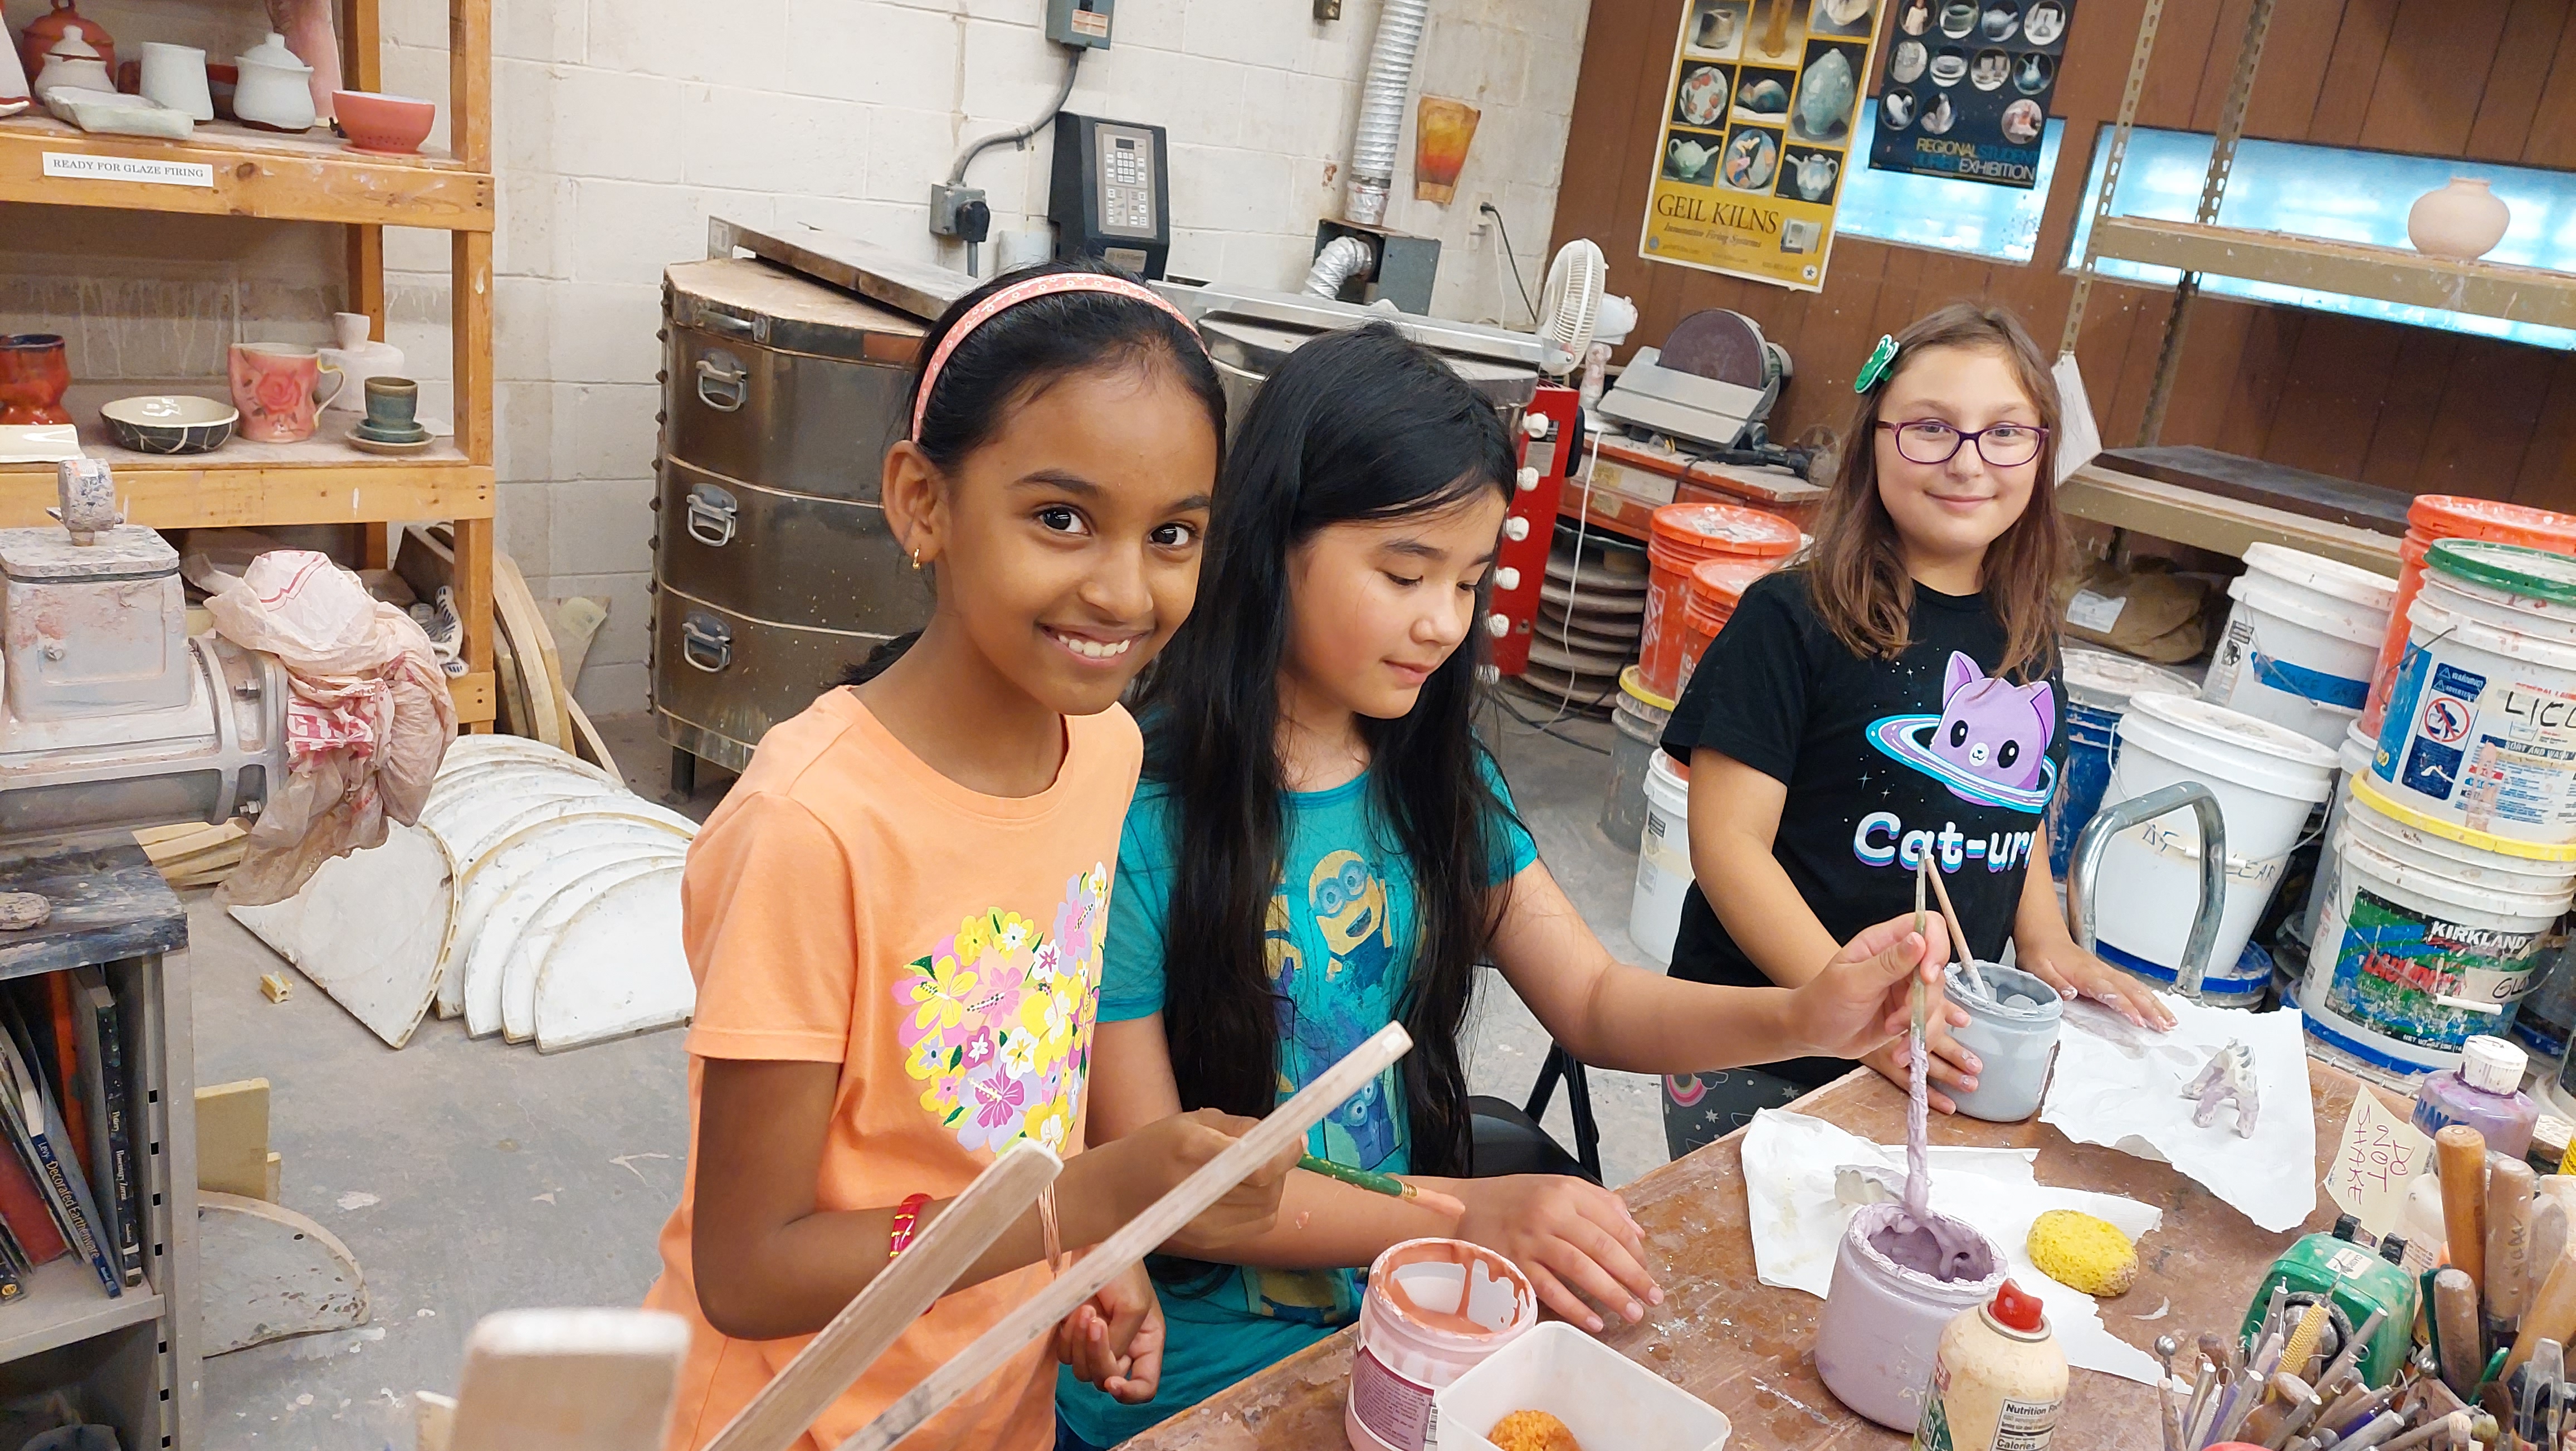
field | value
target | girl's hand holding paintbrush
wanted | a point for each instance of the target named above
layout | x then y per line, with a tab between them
1861	1005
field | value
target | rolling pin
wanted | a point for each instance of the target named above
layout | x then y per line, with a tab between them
2455	1314
2551	1315
2508	1258
2460	1158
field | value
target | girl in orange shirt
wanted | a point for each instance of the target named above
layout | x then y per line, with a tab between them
895	916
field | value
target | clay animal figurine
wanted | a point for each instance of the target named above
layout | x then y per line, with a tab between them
1993	729
2229	1074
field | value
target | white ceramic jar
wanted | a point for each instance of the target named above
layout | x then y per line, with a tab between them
2462	219
275	90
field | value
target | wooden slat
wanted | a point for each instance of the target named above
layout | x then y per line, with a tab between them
2517	77
2439	53
254	175
469	86
2351	72
2547	477
2191	516
2490	398
2336	386
2390	274
2403	421
473	696
248	496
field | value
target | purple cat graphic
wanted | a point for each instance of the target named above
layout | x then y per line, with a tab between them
1992	729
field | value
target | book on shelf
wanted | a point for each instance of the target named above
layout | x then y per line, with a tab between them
24	1214
35	1128
99	1074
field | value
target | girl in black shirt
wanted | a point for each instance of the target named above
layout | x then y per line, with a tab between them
1894	692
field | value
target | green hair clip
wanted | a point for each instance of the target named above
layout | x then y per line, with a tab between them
1873	371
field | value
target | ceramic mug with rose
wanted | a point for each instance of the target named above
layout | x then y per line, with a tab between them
276	387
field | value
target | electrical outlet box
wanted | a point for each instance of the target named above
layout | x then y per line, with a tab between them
1079	22
959	211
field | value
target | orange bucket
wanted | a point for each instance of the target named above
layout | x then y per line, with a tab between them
2435	517
1680	538
1709	600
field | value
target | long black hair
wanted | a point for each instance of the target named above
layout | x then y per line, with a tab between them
1019	353
1357	426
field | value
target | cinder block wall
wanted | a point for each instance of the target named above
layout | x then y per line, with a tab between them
622	125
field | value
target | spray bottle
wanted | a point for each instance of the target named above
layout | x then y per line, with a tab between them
1998	1382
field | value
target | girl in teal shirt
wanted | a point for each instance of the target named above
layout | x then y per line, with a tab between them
1321	845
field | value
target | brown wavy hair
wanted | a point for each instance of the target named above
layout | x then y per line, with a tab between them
1854	573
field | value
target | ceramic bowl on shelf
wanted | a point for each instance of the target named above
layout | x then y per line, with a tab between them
376	122
170	423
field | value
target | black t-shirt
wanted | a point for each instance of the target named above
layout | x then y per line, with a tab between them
1881	758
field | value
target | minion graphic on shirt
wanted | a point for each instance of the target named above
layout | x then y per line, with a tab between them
1349	905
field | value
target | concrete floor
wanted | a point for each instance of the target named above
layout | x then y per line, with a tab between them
469	1177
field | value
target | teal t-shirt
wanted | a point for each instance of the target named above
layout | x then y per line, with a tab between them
1341	936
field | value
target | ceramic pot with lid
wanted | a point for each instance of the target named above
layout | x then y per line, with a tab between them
275	90
46	31
2462	219
356	356
76	63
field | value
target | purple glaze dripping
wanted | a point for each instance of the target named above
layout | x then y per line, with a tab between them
1918	1128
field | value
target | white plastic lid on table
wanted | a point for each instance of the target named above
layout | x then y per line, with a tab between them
2105	679
2491	1064
2233	745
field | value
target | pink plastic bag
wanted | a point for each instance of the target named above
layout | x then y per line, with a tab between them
369	722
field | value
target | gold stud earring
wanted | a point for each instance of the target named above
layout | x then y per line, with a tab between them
916	559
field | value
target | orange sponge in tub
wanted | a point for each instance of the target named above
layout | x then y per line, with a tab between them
1597	1397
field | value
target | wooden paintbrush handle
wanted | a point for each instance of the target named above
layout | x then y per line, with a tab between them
2460	1158
2455	1315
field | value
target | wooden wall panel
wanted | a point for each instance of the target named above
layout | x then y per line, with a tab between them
2409	409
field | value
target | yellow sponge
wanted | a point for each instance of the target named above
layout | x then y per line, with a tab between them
2083	1252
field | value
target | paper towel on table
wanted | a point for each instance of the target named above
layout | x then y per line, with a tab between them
1789	1163
2120	1085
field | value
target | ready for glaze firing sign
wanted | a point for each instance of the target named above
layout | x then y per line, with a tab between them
1759	111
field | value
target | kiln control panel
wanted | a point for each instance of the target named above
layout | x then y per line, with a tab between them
1108	196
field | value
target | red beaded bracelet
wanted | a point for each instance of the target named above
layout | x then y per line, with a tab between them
907	1218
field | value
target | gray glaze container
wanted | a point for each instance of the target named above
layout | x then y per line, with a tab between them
2015	1045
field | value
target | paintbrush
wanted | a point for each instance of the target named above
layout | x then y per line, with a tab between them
1922	929
1958	934
1387	1184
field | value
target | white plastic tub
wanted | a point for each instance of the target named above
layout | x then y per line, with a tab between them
2267	779
1603	1397
2300	642
1663	861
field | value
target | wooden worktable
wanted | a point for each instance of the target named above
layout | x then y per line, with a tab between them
1748	1349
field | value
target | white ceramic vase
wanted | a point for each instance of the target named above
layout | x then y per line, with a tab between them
2462	219
14	94
360	359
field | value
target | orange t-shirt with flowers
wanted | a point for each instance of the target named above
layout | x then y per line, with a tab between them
847	904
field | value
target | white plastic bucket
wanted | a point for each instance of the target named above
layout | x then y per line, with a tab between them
2481	727
2267	779
2300	642
2353	757
1602	1396
2424	940
1663	862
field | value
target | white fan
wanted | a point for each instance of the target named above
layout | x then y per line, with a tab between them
1572	306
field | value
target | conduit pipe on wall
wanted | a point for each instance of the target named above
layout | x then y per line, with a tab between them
1342	259
1382	94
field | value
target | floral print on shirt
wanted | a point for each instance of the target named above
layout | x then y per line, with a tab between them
997	1020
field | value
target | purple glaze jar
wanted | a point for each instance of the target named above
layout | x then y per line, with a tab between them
1881	1329
2484	1092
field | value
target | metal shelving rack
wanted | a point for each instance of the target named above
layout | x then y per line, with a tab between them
2201	246
311	178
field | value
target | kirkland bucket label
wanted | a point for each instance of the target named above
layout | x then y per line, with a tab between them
2396	964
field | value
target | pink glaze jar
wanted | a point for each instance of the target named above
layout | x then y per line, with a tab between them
1881	1330
1434	1309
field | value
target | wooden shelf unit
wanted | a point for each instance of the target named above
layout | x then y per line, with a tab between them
315	178
2359	269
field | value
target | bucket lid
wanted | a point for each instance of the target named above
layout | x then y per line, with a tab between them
2105	680
1719	584
2233	728
2492	1064
2449	516
2512	568
2367	790
1709	528
2347	582
1632	683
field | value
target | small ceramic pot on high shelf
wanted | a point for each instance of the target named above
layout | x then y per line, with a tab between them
2463	220
33	376
46	31
175	76
75	64
277	387
274	92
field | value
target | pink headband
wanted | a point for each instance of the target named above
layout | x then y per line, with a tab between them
1019	292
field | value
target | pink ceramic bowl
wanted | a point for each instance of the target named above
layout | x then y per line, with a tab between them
374	122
